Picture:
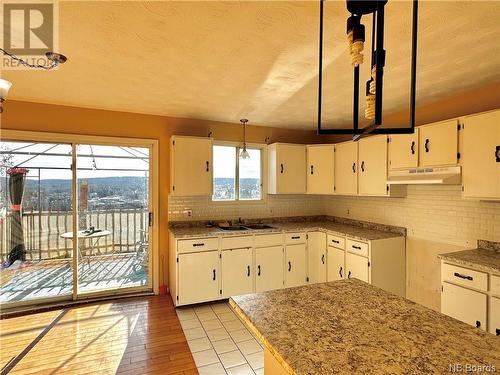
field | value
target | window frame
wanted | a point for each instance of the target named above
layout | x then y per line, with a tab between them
263	165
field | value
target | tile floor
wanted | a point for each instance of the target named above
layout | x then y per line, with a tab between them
219	341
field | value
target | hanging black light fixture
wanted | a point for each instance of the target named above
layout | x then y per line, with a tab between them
374	86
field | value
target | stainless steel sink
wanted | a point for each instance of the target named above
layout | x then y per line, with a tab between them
233	227
258	226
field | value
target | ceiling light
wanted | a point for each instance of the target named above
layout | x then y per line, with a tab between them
244	153
54	58
374	86
4	90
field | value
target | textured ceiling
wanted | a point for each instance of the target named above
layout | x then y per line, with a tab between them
226	60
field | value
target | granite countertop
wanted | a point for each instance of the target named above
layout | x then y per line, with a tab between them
486	260
353	231
348	326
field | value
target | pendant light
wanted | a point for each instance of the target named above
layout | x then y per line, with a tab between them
4	90
244	153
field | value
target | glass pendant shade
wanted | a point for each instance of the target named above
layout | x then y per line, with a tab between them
244	153
4	88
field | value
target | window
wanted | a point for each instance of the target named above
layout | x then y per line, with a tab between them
236	178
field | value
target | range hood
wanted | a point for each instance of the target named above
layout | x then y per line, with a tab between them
428	175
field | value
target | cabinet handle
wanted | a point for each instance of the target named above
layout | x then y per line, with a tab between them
198	244
214	275
349	275
497	154
412	147
335	241
478	324
426	145
295	237
248	271
323	259
312	169
356	247
354	167
208	166
258	270
281	166
289	266
363	166
340	273
456	274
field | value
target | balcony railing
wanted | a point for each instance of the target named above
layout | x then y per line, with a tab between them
42	232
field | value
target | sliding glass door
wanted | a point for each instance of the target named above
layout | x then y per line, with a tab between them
35	210
43	199
113	207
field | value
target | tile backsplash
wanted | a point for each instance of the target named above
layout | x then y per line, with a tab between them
432	212
203	208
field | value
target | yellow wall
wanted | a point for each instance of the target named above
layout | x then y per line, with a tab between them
73	120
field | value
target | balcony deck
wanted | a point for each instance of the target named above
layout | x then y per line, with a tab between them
54	277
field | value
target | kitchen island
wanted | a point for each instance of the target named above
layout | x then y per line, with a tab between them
351	327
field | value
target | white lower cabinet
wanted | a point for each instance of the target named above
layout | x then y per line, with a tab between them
316	257
236	272
336	264
198	277
295	265
357	266
464	304
268	268
471	295
495	316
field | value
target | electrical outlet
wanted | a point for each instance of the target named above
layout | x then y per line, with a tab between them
188	212
348	212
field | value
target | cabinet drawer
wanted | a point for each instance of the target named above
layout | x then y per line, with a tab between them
356	247
266	240
495	285
464	276
293	238
200	244
236	242
336	241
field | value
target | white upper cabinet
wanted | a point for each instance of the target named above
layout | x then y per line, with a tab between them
481	156
438	144
346	168
320	169
372	158
190	166
403	150
287	168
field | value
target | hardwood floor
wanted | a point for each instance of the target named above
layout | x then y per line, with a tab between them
129	336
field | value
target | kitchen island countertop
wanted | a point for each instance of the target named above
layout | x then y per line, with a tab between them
351	327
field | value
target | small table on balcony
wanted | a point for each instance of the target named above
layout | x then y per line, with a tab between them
93	237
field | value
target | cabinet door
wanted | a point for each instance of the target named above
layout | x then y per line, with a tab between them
268	268
438	144
335	264
494	322
236	272
198	277
481	156
372	157
357	266
295	265
346	168
320	165
291	168
403	151
191	169
316	257
464	304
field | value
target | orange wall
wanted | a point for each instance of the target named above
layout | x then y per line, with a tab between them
62	119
